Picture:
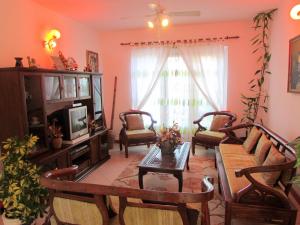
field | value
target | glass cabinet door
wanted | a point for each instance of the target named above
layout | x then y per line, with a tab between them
97	97
84	86
70	87
52	88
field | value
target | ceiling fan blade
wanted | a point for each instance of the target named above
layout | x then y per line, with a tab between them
184	13
136	17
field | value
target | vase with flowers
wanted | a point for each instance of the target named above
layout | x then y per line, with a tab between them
169	139
55	134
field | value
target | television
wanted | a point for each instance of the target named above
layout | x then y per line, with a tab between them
76	122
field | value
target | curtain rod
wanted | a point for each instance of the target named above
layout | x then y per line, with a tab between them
184	41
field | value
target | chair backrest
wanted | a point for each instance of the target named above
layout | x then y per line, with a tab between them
136	117
221	119
81	203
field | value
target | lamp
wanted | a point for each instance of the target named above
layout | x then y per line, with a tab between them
159	21
50	39
295	12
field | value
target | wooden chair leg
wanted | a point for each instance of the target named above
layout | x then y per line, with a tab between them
193	146
148	145
205	219
120	140
227	214
126	149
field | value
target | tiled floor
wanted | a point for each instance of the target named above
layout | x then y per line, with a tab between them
110	170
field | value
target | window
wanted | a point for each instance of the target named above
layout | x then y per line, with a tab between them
174	95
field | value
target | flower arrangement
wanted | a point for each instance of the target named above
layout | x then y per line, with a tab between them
55	130
169	138
22	196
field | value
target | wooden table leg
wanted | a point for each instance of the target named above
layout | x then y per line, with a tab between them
178	175
141	174
187	162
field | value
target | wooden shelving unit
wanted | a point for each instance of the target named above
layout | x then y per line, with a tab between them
29	100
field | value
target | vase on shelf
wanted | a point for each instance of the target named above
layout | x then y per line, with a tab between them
57	142
19	63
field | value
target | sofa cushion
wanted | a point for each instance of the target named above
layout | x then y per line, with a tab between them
134	122
218	122
252	139
232	149
139	134
213	136
274	158
262	149
234	158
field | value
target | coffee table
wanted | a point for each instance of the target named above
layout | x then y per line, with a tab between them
174	164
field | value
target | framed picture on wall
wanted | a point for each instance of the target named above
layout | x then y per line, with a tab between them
294	65
92	61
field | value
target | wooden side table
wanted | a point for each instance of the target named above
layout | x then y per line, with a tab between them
175	164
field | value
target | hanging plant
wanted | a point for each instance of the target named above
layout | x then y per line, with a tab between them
257	100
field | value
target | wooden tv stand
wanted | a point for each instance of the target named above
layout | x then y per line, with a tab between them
30	100
87	154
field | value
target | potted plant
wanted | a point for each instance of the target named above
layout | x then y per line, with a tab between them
23	198
169	138
55	134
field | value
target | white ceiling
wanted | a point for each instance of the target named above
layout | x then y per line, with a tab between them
107	14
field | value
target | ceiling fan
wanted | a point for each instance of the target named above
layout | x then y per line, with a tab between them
161	17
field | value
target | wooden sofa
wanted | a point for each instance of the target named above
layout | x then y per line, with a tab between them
89	204
244	178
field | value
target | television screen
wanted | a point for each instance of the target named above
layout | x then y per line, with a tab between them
77	122
78	119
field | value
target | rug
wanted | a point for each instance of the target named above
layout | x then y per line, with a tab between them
200	165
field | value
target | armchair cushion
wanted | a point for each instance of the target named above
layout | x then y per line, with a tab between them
274	158
134	122
262	149
210	135
137	134
252	139
219	121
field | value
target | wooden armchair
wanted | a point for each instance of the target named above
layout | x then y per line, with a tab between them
134	132
211	137
87	204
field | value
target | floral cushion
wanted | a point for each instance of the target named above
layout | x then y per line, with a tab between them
274	158
134	122
219	121
262	149
252	139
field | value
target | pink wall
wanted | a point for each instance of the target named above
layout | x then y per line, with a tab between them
116	59
23	26
283	116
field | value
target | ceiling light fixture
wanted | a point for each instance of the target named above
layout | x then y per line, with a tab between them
158	22
150	24
165	22
295	12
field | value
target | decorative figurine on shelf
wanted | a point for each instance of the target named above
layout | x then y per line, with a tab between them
169	139
55	134
31	62
88	68
69	63
19	63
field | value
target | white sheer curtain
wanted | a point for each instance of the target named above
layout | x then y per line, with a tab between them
146	65
208	65
179	84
